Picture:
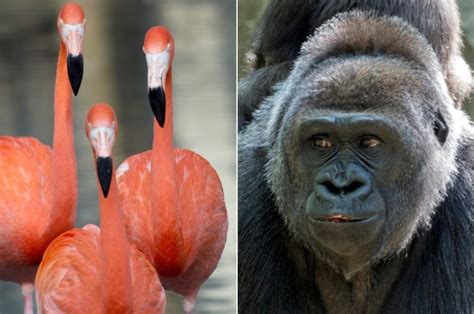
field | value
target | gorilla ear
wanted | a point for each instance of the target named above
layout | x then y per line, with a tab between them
440	128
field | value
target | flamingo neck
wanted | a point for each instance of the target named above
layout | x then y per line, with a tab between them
115	274
164	194
64	160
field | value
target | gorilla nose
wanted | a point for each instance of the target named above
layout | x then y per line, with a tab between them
329	187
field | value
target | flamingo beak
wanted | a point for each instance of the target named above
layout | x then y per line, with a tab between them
104	173
75	69
102	139
73	35
157	99
158	64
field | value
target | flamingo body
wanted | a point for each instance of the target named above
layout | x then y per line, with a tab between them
202	215
38	185
25	206
92	270
68	279
172	199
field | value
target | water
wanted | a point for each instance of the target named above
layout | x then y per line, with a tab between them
115	72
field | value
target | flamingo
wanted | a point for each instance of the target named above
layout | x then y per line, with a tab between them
172	198
92	270
38	186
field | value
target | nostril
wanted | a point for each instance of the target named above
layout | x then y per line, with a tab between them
331	187
353	187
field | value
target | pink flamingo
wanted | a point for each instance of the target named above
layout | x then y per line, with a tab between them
172	198
92	270
38	186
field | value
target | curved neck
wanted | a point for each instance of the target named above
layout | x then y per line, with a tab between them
115	276
164	192
64	160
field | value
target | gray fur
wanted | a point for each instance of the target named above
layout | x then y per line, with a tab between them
286	24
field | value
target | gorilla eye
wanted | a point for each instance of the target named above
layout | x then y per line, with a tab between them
369	142
440	128
321	142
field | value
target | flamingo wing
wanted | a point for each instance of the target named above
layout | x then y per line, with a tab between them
203	214
148	293
133	180
25	202
67	280
203	220
201	201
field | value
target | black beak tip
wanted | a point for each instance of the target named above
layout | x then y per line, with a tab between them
161	122
157	99
104	172
75	70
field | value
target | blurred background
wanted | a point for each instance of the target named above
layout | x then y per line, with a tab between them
250	12
115	72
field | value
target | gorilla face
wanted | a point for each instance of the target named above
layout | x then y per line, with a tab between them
344	154
353	166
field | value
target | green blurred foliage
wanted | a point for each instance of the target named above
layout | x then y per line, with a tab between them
249	14
467	16
467	21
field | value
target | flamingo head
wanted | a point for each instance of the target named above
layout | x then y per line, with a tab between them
159	51
101	130
71	27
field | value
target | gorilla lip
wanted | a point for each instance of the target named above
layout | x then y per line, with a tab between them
338	218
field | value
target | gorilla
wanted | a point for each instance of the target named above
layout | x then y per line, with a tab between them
356	180
286	24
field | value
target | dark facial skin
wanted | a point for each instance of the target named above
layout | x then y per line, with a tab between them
343	155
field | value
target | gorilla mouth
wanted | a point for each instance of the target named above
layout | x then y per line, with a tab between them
339	219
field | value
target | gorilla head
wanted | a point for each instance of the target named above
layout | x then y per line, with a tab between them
286	24
362	139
